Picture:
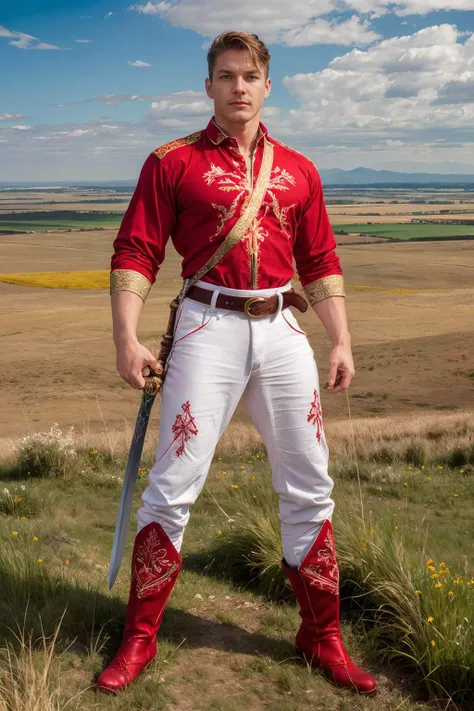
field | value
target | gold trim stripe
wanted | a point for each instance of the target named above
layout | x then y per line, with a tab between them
129	280
323	288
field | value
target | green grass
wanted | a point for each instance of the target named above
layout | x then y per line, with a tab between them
227	637
408	231
57	220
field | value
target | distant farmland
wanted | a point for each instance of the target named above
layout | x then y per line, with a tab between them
57	220
408	231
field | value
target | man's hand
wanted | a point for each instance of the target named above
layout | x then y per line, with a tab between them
341	368
132	360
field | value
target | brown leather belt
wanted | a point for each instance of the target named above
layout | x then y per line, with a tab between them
253	306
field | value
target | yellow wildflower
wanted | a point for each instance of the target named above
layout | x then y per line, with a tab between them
396	528
219	459
440	468
433	643
422	467
410	468
372	531
450	592
224	473
250	461
430	619
35	538
94	451
22	518
428	478
40	560
442	564
405	483
364	545
14	533
242	469
431	567
219	533
254	478
455	494
17	499
461	471
429	561
439	585
435	575
254	497
235	486
418	592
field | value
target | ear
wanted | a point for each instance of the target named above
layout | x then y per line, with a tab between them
268	86
208	85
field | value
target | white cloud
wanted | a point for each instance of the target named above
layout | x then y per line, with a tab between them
401	85
10	117
291	23
23	41
139	63
21	128
111	99
83	41
109	14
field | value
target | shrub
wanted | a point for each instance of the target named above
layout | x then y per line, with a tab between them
47	454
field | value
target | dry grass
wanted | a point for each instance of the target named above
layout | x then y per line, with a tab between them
27	680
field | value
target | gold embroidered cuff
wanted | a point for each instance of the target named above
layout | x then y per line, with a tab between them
323	288
129	280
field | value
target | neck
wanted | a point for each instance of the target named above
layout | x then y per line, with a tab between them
246	134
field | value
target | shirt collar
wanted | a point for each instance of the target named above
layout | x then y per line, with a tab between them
217	135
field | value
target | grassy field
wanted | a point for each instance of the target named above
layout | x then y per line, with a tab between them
57	220
227	638
408	231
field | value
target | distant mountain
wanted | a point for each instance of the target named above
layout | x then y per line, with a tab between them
367	176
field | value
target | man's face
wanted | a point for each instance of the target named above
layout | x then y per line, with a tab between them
238	87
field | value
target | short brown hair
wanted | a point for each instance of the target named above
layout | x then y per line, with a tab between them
239	40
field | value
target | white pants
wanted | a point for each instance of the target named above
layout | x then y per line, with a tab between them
219	356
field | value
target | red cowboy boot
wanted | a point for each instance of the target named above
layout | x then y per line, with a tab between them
155	568
316	587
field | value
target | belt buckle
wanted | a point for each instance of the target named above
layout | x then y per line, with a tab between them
249	303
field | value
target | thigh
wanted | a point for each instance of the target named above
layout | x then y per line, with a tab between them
204	382
283	398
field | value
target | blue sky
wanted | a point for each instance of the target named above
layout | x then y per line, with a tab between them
355	82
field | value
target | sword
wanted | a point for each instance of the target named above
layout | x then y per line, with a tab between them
153	384
128	486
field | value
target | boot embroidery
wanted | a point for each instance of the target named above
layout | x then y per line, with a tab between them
151	568
316	416
323	572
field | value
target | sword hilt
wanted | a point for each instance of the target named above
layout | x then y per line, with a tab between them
153	379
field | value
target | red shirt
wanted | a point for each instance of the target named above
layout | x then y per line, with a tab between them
194	189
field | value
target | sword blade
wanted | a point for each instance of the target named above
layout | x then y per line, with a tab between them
128	486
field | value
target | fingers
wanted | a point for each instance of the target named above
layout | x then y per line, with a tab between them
332	376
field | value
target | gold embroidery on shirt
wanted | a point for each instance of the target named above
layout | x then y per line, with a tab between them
186	141
320	289
237	181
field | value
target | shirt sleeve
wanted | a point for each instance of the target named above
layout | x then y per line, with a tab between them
317	263
139	248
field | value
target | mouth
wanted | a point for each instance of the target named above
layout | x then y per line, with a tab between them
239	103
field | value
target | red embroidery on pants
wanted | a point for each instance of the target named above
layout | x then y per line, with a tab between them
316	416
184	428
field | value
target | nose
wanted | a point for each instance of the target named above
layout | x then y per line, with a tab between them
239	86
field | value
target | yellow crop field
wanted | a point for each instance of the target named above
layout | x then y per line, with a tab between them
97	279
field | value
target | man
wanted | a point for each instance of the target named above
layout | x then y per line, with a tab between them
234	337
